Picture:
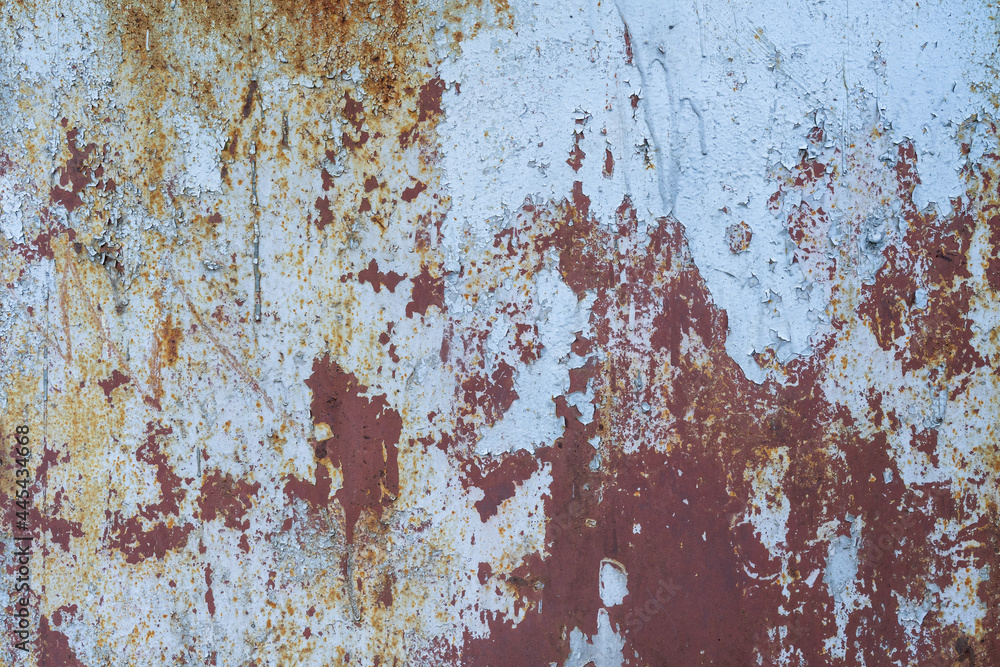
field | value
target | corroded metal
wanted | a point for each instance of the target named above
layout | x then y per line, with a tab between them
471	333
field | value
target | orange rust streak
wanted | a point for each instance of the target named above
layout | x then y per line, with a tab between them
155	382
63	306
45	335
240	369
100	326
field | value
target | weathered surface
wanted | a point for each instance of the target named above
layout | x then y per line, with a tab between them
489	333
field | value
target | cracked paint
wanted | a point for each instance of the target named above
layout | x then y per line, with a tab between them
450	332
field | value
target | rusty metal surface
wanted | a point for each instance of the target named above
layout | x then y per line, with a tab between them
500	333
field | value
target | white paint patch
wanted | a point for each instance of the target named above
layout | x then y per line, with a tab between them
613	582
727	95
911	614
531	421
560	80
202	148
603	649
730	92
961	605
51	48
12	199
770	507
840	577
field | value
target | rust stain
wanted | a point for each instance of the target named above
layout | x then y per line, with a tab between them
548	439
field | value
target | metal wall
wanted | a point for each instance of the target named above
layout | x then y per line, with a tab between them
466	333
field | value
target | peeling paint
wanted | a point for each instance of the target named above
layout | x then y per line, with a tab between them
494	333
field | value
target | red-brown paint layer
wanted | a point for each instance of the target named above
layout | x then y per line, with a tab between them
378	279
365	435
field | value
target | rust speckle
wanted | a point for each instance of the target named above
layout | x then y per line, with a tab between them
248	100
738	237
170	339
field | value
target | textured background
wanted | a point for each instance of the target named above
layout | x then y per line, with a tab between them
433	332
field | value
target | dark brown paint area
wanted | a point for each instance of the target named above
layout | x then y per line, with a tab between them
209	595
316	494
576	155
325	216
60	529
75	175
377	279
498	480
690	601
427	291
116	379
683	436
155	530
41	247
226	497
53	647
935	257
365	435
